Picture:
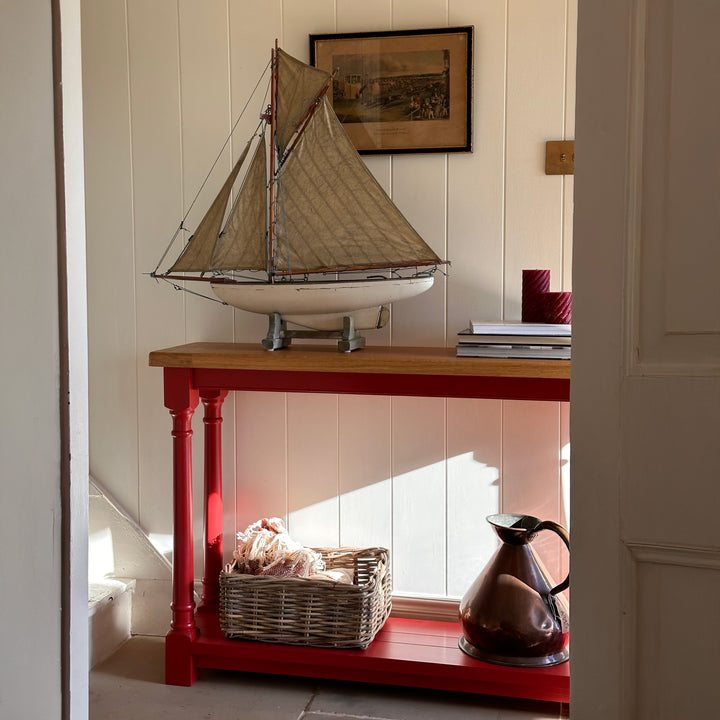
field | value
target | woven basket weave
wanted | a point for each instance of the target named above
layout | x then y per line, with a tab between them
303	611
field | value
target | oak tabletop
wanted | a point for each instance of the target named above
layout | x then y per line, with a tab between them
371	359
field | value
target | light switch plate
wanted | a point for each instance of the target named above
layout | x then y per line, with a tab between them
560	157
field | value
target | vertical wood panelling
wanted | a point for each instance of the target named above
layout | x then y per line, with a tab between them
300	19
419	183
535	114
110	261
531	470
261	458
347	470
410	14
569	180
474	452
564	511
476	180
365	471
565	463
205	108
419	495
249	57
367	16
312	448
156	152
567	234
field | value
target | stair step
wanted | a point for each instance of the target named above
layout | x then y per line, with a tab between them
109	616
105	591
130	581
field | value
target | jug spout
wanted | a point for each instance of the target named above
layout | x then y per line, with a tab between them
514	614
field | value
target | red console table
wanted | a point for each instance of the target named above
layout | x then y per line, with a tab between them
406	652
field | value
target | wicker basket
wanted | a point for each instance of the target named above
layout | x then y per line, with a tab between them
302	611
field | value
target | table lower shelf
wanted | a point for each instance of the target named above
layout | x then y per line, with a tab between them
413	653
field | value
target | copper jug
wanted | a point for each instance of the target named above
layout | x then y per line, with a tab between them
513	614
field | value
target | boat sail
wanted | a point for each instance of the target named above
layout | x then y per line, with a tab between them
320	211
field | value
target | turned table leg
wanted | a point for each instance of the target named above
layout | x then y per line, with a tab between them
212	400
181	399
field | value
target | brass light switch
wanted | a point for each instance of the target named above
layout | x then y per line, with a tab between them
560	157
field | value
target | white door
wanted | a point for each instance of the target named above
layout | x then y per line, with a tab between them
645	403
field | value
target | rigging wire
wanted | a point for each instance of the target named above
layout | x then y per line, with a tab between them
261	135
212	167
167	249
227	140
192	292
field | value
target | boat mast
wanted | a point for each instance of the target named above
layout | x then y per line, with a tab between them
273	131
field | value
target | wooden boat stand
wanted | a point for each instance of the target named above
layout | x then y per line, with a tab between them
278	336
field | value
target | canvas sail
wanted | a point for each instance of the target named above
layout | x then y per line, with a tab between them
333	213
197	255
298	86
242	244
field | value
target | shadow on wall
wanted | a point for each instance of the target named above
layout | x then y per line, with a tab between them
332	484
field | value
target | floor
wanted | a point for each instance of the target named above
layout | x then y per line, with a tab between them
130	684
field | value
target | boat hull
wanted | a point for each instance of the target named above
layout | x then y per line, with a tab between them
323	305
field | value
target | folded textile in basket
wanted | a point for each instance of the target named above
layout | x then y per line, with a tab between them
343	575
266	548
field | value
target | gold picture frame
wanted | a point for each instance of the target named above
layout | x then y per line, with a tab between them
407	91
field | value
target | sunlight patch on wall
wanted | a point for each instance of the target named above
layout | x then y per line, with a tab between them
565	482
366	516
431	518
473	494
315	525
418	554
163	543
101	556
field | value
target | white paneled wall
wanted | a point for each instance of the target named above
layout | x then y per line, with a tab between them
164	83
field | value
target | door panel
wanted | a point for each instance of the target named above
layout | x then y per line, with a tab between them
645	392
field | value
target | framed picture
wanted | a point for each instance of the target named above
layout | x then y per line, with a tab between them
408	91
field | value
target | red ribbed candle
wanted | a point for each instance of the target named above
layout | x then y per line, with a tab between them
534	284
557	308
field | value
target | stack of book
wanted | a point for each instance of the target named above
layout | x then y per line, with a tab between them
515	340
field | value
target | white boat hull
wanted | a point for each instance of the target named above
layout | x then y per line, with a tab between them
323	305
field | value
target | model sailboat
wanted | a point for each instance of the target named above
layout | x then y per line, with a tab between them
321	212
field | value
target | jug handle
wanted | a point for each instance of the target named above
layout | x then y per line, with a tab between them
565	537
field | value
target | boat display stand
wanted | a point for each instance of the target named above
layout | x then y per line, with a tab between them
278	336
406	652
